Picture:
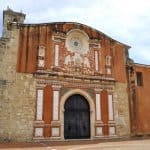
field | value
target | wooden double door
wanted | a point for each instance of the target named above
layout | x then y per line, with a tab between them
76	118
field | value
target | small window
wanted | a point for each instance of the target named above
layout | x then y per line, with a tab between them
139	78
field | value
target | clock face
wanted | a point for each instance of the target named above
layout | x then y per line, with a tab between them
76	44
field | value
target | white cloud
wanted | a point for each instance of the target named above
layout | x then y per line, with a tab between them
126	21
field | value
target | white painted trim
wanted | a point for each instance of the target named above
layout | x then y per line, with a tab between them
38	132
99	131
96	60
98	107
55	104
110	107
39	111
55	132
56	55
111	130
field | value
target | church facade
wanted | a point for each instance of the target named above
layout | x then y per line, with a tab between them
66	80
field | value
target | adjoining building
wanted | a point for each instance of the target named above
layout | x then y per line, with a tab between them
66	80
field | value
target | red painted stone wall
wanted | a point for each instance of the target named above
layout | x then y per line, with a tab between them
104	101
47	110
33	36
119	65
143	101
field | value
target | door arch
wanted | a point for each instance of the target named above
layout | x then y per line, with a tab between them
76	118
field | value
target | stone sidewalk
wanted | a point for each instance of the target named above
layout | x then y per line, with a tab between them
136	144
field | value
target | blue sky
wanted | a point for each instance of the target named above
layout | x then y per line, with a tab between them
127	21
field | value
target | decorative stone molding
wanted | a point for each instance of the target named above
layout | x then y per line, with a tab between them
112	131
77	41
92	109
68	83
38	132
99	131
55	132
56	87
41	57
48	74
95	43
58	36
98	90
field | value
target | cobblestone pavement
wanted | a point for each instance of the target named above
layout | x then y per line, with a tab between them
120	145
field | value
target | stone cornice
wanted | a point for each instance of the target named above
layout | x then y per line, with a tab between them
48	74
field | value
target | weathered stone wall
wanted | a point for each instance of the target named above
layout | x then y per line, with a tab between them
17	95
121	109
18	90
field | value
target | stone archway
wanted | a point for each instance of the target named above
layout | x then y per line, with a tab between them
65	97
76	118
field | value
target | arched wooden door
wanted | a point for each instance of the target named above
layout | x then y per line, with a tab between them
76	118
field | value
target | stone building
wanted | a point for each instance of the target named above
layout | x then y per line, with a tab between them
66	80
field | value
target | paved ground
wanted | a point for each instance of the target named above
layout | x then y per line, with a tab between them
143	144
